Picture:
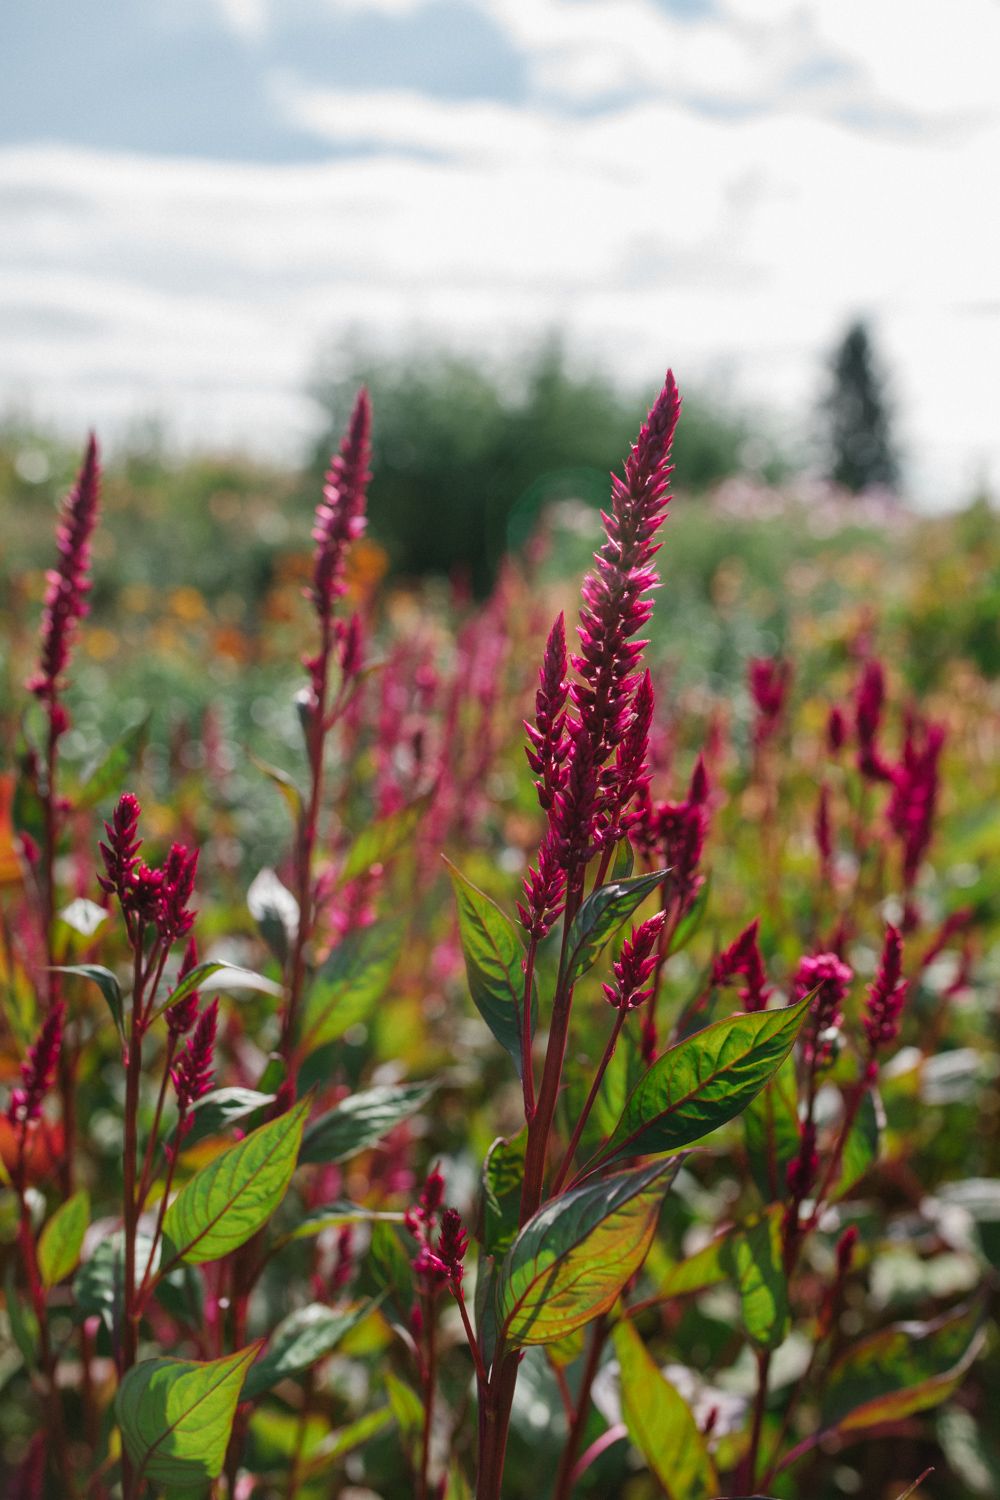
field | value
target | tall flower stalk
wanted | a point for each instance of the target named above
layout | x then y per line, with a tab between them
340	520
587	748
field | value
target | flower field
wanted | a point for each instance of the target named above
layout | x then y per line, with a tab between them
537	1045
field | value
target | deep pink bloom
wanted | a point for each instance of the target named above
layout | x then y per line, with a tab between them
631	775
742	959
887	994
340	515
193	1073
120	852
343	1266
615	606
182	1016
636	963
452	1244
914	793
575	815
824	834
836	730
830	977
174	917
868	701
68	582
769	679
544	889
549	743
38	1069
679	830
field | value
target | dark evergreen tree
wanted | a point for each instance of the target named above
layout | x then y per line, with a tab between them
860	446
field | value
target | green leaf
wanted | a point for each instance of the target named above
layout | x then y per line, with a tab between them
382	839
176	1417
692	918
407	1407
494	964
861	1147
572	1258
350	983
600	917
299	1340
503	1174
108	986
345	1440
771	1128
99	1284
332	1216
276	912
217	975
232	1197
387	1266
752	1257
623	863
902	1369
713	1263
704	1081
23	1322
286	786
361	1121
221	1109
106	778
62	1238
660	1422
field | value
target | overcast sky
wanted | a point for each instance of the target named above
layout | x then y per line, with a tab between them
197	195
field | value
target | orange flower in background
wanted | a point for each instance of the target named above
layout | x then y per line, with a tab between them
10	865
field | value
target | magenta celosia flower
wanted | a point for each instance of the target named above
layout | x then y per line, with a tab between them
836	730
340	515
544	890
675	833
830	977
636	963
575	814
914	793
769	679
887	994
631	775
549	743
343	1265
182	1016
174	917
38	1070
868	701
68	582
452	1244
194	1070
742	960
120	852
824	833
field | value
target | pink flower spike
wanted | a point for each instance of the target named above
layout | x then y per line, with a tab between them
38	1069
340	515
868	700
68	583
192	1076
742	959
830	977
120	853
769	680
174	917
887	994
182	1016
452	1245
548	743
637	962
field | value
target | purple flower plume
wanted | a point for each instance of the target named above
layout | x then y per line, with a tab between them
742	960
830	977
869	698
68	583
193	1073
887	994
38	1070
548	744
914	793
182	1016
636	963
340	516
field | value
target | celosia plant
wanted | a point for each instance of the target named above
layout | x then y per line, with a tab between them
258	1243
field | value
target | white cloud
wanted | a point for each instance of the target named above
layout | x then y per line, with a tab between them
653	229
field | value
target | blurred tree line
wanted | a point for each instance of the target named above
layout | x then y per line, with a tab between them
466	459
